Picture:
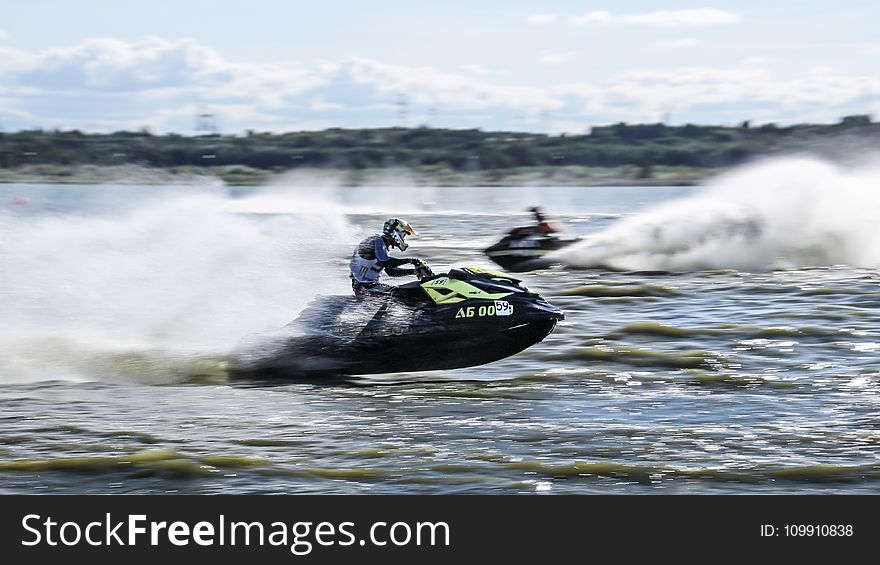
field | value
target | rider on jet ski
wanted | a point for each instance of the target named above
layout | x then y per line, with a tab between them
371	256
541	228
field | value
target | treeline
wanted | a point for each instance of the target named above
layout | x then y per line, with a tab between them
642	145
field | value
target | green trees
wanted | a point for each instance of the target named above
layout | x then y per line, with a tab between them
645	146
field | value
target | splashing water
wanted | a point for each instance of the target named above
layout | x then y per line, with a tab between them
192	274
788	213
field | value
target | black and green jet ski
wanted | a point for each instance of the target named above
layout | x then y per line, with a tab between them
462	318
520	254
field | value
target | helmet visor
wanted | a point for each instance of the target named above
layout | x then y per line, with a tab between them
406	228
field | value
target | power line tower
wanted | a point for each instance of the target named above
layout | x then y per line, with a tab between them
402	110
206	121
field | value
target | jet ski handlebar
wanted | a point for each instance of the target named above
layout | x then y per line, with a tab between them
423	270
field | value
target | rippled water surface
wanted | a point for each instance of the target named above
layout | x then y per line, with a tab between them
658	381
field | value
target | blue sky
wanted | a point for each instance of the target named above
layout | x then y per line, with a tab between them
553	66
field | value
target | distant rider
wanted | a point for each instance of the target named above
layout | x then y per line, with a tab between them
541	228
371	256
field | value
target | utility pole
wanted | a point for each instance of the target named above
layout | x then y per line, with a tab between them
206	122
402	110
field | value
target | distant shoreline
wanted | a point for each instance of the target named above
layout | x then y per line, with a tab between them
233	175
614	155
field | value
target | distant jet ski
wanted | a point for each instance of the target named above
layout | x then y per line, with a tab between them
524	248
518	252
462	318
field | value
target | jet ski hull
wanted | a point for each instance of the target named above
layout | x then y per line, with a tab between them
340	335
310	357
519	255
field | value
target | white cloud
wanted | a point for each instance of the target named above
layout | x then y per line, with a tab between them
740	93
372	82
153	67
474	69
555	58
675	18
593	18
3	35
8	110
319	104
662	18
484	73
109	84
14	59
679	43
541	19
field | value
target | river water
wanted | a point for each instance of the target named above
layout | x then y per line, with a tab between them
719	339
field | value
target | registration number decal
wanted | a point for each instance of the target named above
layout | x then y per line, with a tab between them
499	308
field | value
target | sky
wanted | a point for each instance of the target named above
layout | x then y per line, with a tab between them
551	66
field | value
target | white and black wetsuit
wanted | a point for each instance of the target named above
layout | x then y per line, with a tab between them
368	261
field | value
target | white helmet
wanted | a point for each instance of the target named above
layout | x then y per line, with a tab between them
397	230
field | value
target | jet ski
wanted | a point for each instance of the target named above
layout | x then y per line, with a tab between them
524	250
465	317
